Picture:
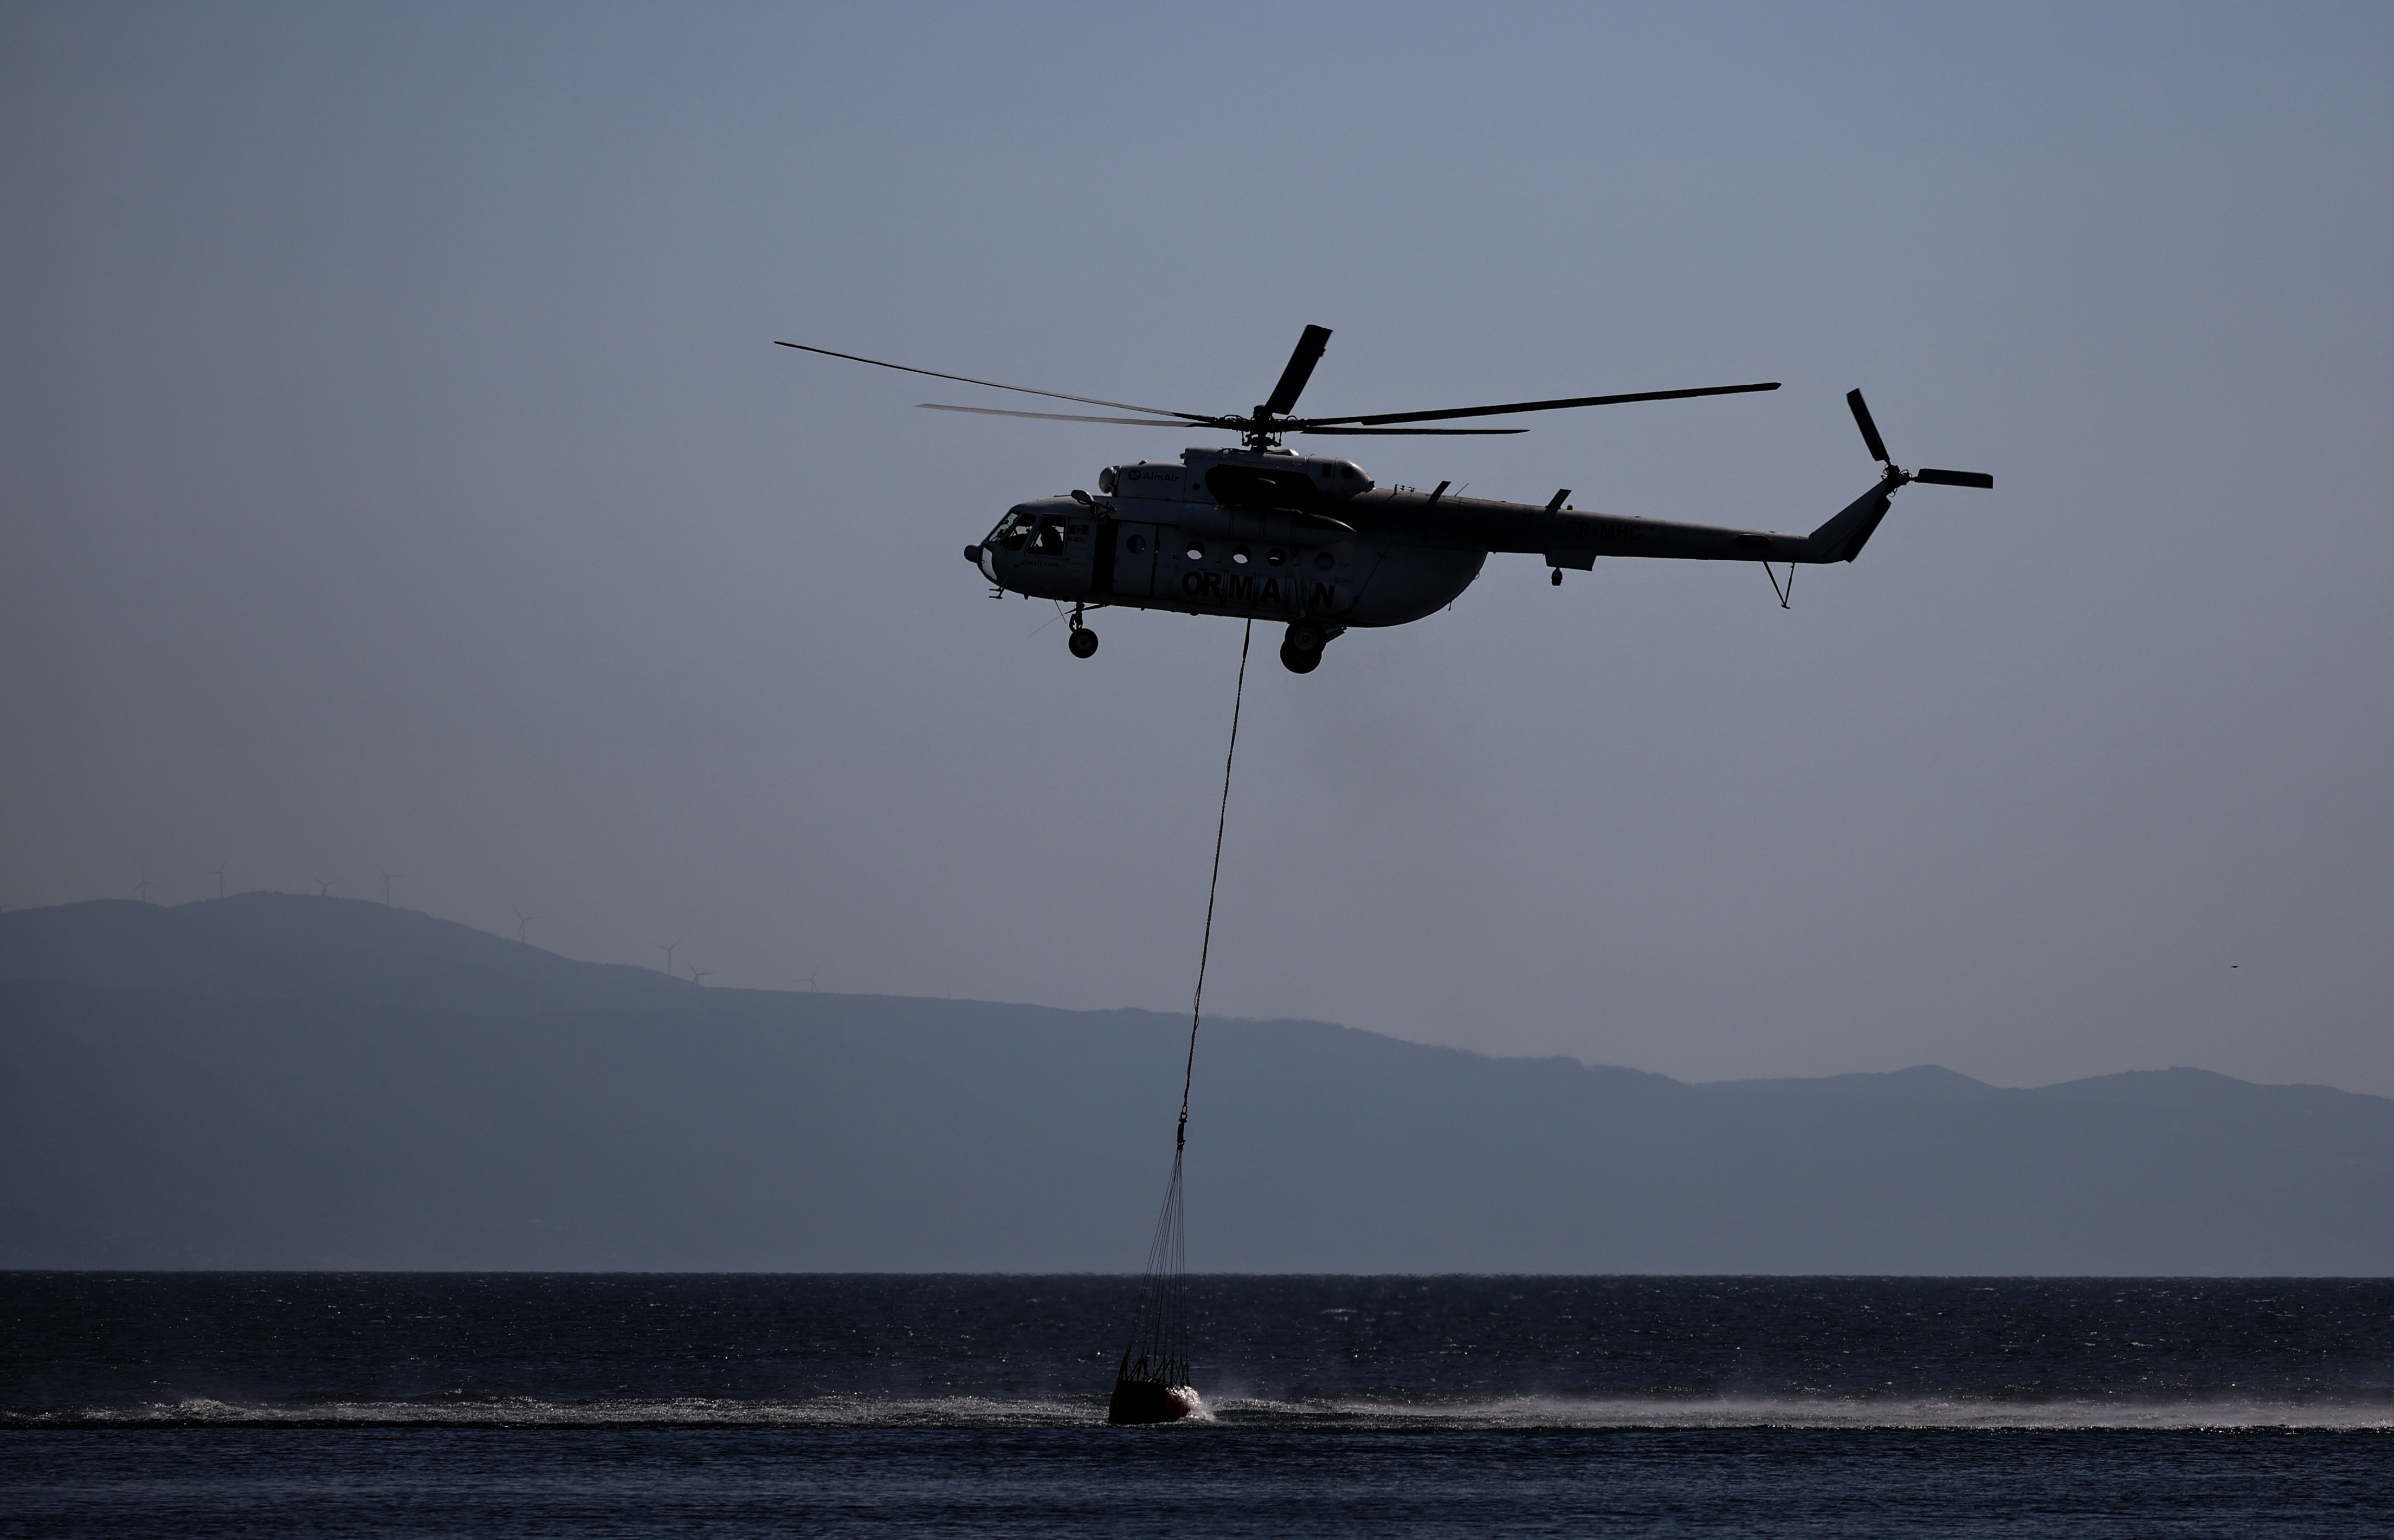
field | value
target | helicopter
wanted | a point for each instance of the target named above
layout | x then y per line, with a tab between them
1262	533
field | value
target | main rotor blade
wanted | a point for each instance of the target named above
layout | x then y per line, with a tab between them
1306	425
968	379
1871	441
1299	370
1416	432
1956	478
1058	416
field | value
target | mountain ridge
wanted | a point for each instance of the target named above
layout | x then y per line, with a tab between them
280	1081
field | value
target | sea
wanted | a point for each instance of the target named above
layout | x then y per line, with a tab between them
497	1404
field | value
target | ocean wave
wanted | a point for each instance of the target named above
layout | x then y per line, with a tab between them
1232	1412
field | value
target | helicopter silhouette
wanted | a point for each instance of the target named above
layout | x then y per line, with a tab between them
1263	532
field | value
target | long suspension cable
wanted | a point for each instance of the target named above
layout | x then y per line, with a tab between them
1205	948
1158	1352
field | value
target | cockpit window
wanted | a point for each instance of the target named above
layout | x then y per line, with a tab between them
1012	531
1043	533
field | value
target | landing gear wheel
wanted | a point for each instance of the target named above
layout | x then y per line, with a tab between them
1083	642
1300	650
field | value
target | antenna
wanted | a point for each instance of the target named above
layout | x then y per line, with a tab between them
668	948
217	873
522	920
387	878
143	887
324	886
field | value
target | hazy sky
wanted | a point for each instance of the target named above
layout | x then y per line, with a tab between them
398	478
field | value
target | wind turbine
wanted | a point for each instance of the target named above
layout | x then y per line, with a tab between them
668	948
700	978
809	981
217	873
522	920
324	886
388	878
142	888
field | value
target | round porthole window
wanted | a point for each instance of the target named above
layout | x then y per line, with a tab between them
1135	543
1324	562
1196	550
1240	554
1274	557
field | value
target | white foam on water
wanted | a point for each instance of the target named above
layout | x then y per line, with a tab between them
1855	1413
527	1411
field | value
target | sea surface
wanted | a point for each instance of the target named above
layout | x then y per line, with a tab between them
420	1404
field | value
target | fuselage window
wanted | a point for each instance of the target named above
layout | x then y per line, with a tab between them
1196	550
1048	539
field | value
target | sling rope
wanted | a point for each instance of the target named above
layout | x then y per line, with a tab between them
1206	947
1159	1346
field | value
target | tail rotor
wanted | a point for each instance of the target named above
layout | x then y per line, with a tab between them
1877	446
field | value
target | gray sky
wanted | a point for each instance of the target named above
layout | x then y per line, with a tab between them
398	477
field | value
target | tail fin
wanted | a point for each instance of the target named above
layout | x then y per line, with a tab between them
1842	538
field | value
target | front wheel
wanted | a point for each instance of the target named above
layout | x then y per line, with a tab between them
1300	662
1083	642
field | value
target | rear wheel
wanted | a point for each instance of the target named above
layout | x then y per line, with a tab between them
1083	642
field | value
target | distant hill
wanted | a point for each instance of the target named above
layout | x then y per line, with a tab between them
271	1081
